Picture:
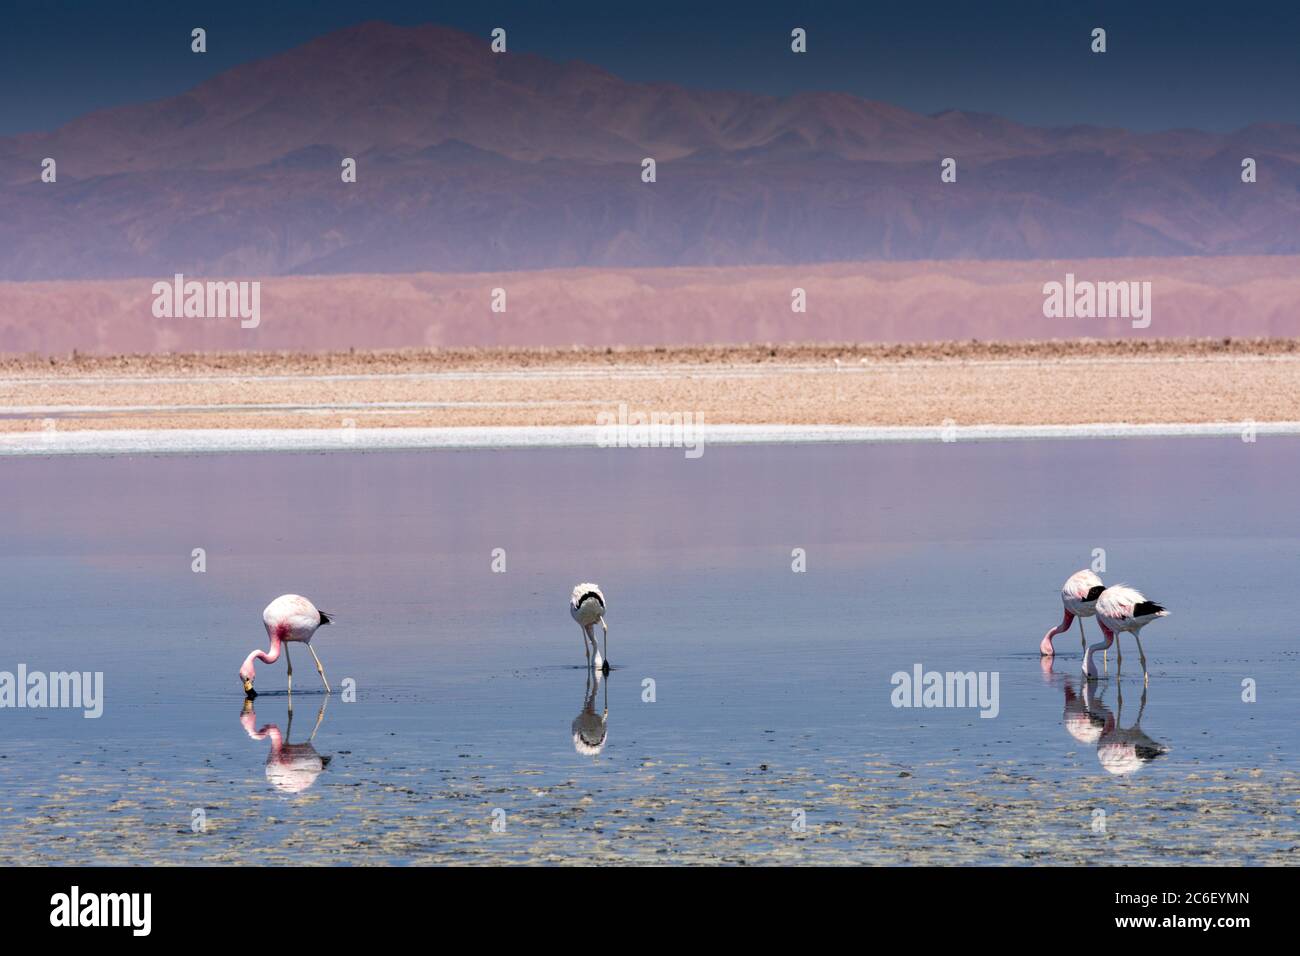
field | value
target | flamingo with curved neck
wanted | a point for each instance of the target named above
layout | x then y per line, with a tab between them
1079	599
289	617
246	671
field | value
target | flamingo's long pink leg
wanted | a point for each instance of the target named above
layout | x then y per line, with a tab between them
320	670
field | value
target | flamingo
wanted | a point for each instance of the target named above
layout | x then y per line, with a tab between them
288	618
1079	595
587	606
1122	608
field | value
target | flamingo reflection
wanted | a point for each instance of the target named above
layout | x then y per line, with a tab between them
1120	751
290	767
1124	751
589	728
1081	723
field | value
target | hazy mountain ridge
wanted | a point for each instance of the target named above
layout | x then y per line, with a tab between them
474	161
847	302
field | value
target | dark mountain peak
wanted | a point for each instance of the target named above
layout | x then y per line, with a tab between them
471	161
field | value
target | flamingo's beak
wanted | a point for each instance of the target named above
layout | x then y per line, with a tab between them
248	688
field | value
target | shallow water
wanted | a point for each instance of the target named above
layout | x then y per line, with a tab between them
771	736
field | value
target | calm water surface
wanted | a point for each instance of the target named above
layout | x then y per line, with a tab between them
771	736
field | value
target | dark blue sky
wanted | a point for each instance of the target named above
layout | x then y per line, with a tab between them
1213	66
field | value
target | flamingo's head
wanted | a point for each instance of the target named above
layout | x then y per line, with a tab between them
246	677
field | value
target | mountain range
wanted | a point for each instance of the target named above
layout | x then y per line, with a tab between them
470	161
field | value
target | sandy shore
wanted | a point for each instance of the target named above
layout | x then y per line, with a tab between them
1048	383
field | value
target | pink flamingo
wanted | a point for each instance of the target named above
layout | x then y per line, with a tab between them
1122	608
287	618
1079	595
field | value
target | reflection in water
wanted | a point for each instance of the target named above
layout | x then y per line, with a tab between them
1080	721
291	768
590	728
1121	751
1088	720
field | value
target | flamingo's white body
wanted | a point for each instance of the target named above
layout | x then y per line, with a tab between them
1079	598
587	607
1122	608
289	617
